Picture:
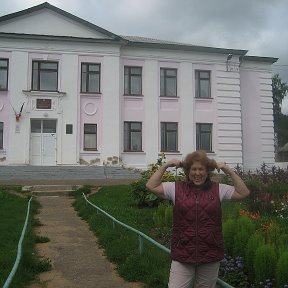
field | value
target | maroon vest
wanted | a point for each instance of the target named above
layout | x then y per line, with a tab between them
197	225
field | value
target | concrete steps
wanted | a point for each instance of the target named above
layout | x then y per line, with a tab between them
50	190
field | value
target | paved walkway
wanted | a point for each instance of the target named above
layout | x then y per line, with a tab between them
77	261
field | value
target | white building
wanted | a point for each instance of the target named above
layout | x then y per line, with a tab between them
92	97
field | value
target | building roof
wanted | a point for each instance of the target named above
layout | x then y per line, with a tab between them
137	41
132	41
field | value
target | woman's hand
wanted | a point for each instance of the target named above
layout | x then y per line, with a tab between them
174	163
241	190
222	166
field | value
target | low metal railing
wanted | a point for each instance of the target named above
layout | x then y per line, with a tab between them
19	251
142	235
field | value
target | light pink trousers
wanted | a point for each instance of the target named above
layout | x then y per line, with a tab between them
181	275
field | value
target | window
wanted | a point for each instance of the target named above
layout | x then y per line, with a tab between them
132	136
90	137
69	129
3	74
90	78
204	136
203	84
44	76
132	80
168	82
1	135
169	136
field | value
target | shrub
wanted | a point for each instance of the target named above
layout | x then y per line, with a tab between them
255	241
142	196
281	270
163	215
273	234
265	262
229	230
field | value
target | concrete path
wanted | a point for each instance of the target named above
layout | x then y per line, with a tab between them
77	261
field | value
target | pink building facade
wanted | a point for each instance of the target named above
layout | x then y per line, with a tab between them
90	97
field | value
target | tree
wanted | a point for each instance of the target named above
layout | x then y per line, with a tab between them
279	90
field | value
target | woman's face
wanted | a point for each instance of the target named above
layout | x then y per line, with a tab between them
198	173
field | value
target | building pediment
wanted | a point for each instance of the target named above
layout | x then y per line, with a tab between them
48	20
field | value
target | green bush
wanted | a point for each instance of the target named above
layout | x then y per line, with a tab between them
229	231
255	241
281	270
245	228
163	216
273	235
283	241
142	196
265	262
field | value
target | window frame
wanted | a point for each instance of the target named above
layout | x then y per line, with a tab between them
130	130
7	73
199	134
84	134
198	84
165	77
88	73
2	135
39	70
163	139
129	84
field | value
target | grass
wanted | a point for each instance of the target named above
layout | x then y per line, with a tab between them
13	211
121	245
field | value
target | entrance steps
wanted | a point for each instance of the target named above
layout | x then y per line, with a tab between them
50	190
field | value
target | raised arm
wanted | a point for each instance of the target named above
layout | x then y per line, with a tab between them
154	184
241	190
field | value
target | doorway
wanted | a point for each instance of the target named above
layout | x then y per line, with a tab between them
43	139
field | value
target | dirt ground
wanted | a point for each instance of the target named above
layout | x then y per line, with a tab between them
76	259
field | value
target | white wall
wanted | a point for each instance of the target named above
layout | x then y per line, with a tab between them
257	115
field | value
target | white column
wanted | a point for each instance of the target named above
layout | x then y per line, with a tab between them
151	94
111	107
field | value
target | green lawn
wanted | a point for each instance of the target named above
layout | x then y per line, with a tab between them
121	245
13	211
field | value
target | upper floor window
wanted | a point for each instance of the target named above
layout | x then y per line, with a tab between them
90	78
4	74
204	136
169	136
90	137
203	84
168	82
1	135
132	136
132	80
44	76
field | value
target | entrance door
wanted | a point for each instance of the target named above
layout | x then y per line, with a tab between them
43	142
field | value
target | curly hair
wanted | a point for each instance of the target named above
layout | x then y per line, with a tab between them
198	156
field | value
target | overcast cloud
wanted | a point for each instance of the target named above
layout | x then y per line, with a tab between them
260	26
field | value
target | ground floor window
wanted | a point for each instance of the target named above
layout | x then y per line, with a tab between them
90	137
132	136
169	136
1	135
204	136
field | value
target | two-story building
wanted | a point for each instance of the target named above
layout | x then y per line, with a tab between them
74	93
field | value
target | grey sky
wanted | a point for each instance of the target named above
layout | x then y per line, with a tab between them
260	26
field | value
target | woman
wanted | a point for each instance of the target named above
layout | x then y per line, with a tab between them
197	241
